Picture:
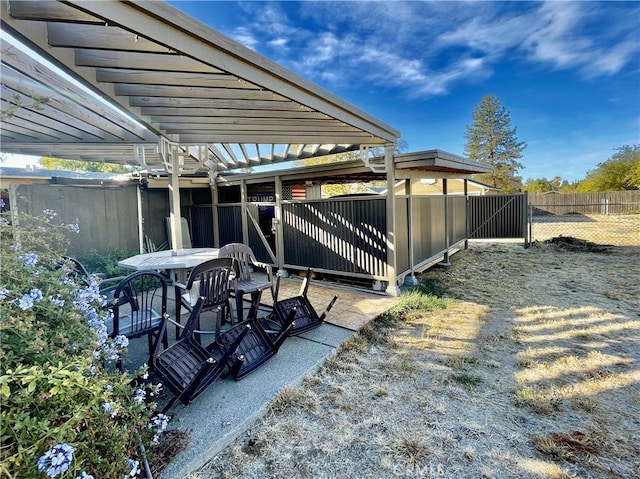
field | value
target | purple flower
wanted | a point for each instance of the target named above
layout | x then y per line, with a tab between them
110	408
160	423
57	300
134	468
84	475
50	214
29	259
27	300
56	460
4	292
139	397
75	227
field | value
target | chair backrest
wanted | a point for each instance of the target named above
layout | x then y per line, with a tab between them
186	367
210	280
139	303
244	257
77	267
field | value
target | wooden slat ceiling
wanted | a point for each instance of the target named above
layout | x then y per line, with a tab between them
136	72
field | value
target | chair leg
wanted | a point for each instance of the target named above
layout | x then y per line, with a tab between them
255	302
178	296
239	308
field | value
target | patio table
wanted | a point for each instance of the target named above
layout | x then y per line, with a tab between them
178	264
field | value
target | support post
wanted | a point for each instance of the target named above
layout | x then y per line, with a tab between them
214	213
411	279
447	239
279	229
171	159
243	212
392	287
465	182
140	219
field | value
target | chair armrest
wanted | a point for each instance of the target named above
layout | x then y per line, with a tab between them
181	286
196	331
105	281
265	266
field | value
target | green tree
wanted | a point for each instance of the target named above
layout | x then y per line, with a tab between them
618	173
75	165
491	139
542	185
537	185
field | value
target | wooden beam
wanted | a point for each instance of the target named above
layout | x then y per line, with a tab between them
209	80
172	91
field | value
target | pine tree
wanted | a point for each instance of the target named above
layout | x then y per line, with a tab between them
492	140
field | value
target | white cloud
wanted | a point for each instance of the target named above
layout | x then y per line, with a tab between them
426	48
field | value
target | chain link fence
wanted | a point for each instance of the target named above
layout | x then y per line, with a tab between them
603	218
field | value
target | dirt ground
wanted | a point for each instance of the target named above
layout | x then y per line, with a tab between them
531	370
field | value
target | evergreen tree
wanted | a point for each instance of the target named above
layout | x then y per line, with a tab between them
491	139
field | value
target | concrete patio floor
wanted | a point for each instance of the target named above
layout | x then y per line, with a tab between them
228	408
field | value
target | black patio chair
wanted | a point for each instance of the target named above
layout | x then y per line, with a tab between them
186	367
209	280
306	317
259	344
139	306
244	283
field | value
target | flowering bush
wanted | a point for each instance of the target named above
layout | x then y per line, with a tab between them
66	411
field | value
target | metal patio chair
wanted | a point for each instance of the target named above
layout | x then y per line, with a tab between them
245	284
306	317
186	367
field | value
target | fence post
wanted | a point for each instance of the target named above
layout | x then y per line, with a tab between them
466	213
530	221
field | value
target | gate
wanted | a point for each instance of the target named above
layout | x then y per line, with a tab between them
258	217
497	216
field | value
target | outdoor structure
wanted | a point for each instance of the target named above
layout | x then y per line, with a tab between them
144	84
455	186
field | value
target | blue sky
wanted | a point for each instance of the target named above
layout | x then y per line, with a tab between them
567	72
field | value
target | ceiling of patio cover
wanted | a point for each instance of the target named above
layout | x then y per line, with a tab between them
138	72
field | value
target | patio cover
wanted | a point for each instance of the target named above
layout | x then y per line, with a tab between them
145	81
141	83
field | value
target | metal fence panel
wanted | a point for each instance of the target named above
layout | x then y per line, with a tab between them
202	226
497	216
342	235
429	234
230	224
402	234
456	208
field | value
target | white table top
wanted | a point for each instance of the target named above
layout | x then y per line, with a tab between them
184	259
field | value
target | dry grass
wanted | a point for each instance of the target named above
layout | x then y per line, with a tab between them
531	371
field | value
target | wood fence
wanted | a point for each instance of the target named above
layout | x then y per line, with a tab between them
603	203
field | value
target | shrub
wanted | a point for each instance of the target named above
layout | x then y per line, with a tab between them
107	261
66	411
